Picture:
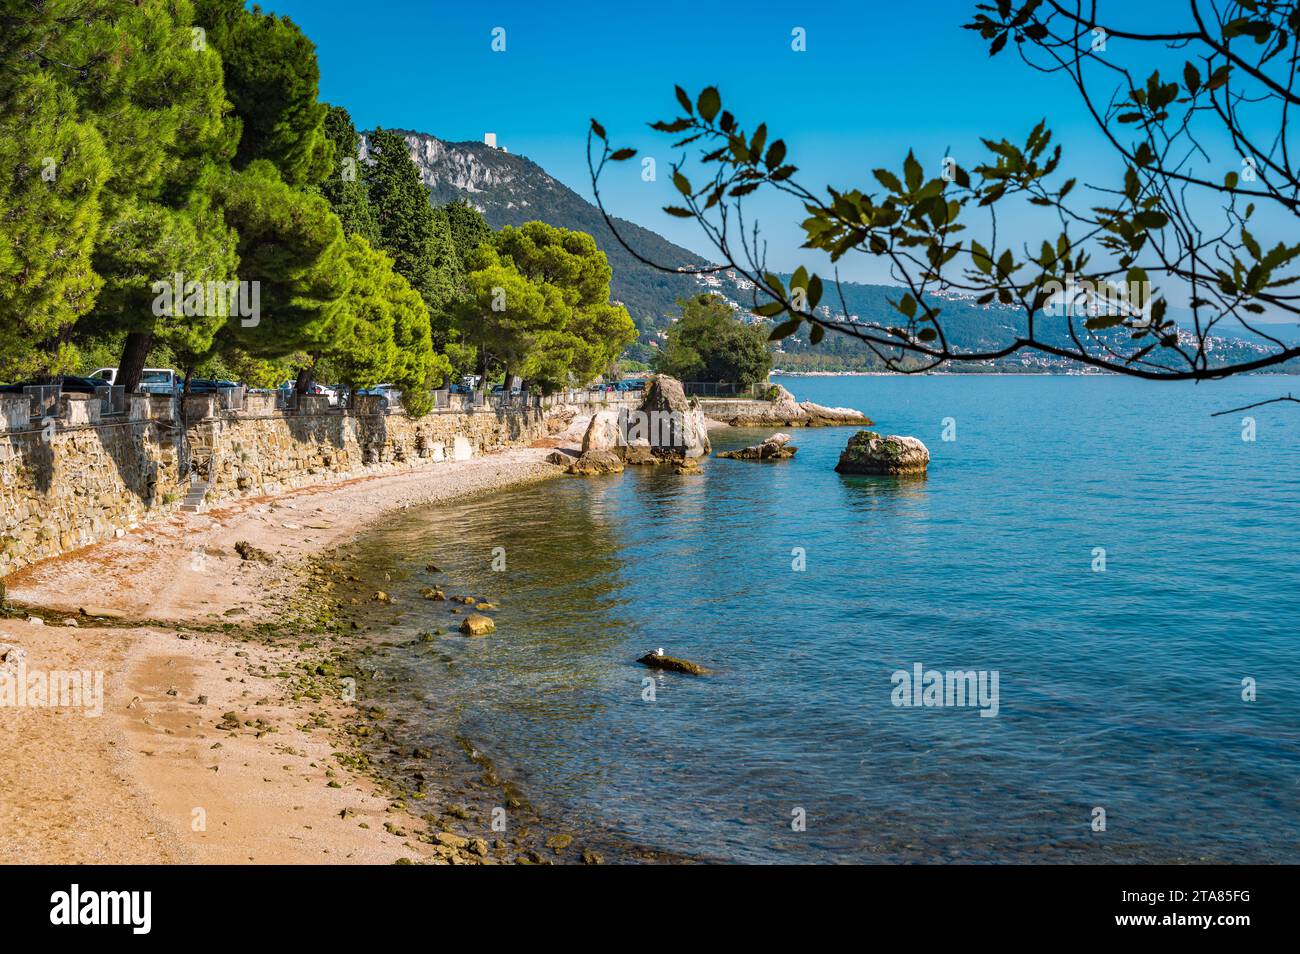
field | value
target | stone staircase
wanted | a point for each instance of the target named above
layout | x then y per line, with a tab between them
194	500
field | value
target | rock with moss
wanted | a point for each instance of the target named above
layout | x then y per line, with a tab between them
776	447
871	453
658	660
595	463
476	624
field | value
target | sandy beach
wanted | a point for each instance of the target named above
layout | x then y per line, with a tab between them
212	747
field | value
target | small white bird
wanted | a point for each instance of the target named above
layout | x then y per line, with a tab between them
659	651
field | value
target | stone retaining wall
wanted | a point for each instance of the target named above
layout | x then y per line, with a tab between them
84	479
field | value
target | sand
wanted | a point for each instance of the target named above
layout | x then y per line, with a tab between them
155	778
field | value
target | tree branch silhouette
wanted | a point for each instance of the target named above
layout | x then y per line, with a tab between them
1148	231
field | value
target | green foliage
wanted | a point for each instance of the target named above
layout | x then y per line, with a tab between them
570	262
361	354
272	79
292	244
384	331
507	317
538	305
709	344
468	231
46	280
411	231
343	188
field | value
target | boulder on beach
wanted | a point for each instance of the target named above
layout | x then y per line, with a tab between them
871	453
602	433
476	624
247	551
776	447
559	458
671	664
597	462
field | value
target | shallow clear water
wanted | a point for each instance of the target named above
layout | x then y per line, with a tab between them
1119	689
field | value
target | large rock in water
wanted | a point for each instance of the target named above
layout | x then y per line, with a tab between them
870	453
776	447
602	433
676	424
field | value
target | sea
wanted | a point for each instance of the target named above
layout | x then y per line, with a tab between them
1077	639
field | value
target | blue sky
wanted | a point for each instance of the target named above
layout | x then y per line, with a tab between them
876	79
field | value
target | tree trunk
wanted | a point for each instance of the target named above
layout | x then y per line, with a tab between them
304	379
135	352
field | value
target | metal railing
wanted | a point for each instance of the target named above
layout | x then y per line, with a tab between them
231	399
112	399
45	400
286	399
725	389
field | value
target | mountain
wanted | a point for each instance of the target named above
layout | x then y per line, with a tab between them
510	189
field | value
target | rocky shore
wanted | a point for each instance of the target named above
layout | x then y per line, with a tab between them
237	722
783	411
227	732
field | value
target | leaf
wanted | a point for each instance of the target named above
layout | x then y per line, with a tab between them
814	291
785	329
775	153
684	100
912	172
768	309
888	180
800	278
1191	78
597	128
679	212
622	154
709	103
682	183
1102	322
816	335
927	334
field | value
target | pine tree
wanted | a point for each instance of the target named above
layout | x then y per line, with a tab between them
154	96
411	231
343	187
55	169
273	80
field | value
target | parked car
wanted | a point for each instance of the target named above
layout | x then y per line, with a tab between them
70	383
208	385
314	389
388	394
152	381
460	389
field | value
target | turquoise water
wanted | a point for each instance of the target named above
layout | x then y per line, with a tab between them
1119	690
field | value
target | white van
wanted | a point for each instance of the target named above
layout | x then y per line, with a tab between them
153	381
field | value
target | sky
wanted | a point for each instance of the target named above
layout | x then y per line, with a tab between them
876	78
